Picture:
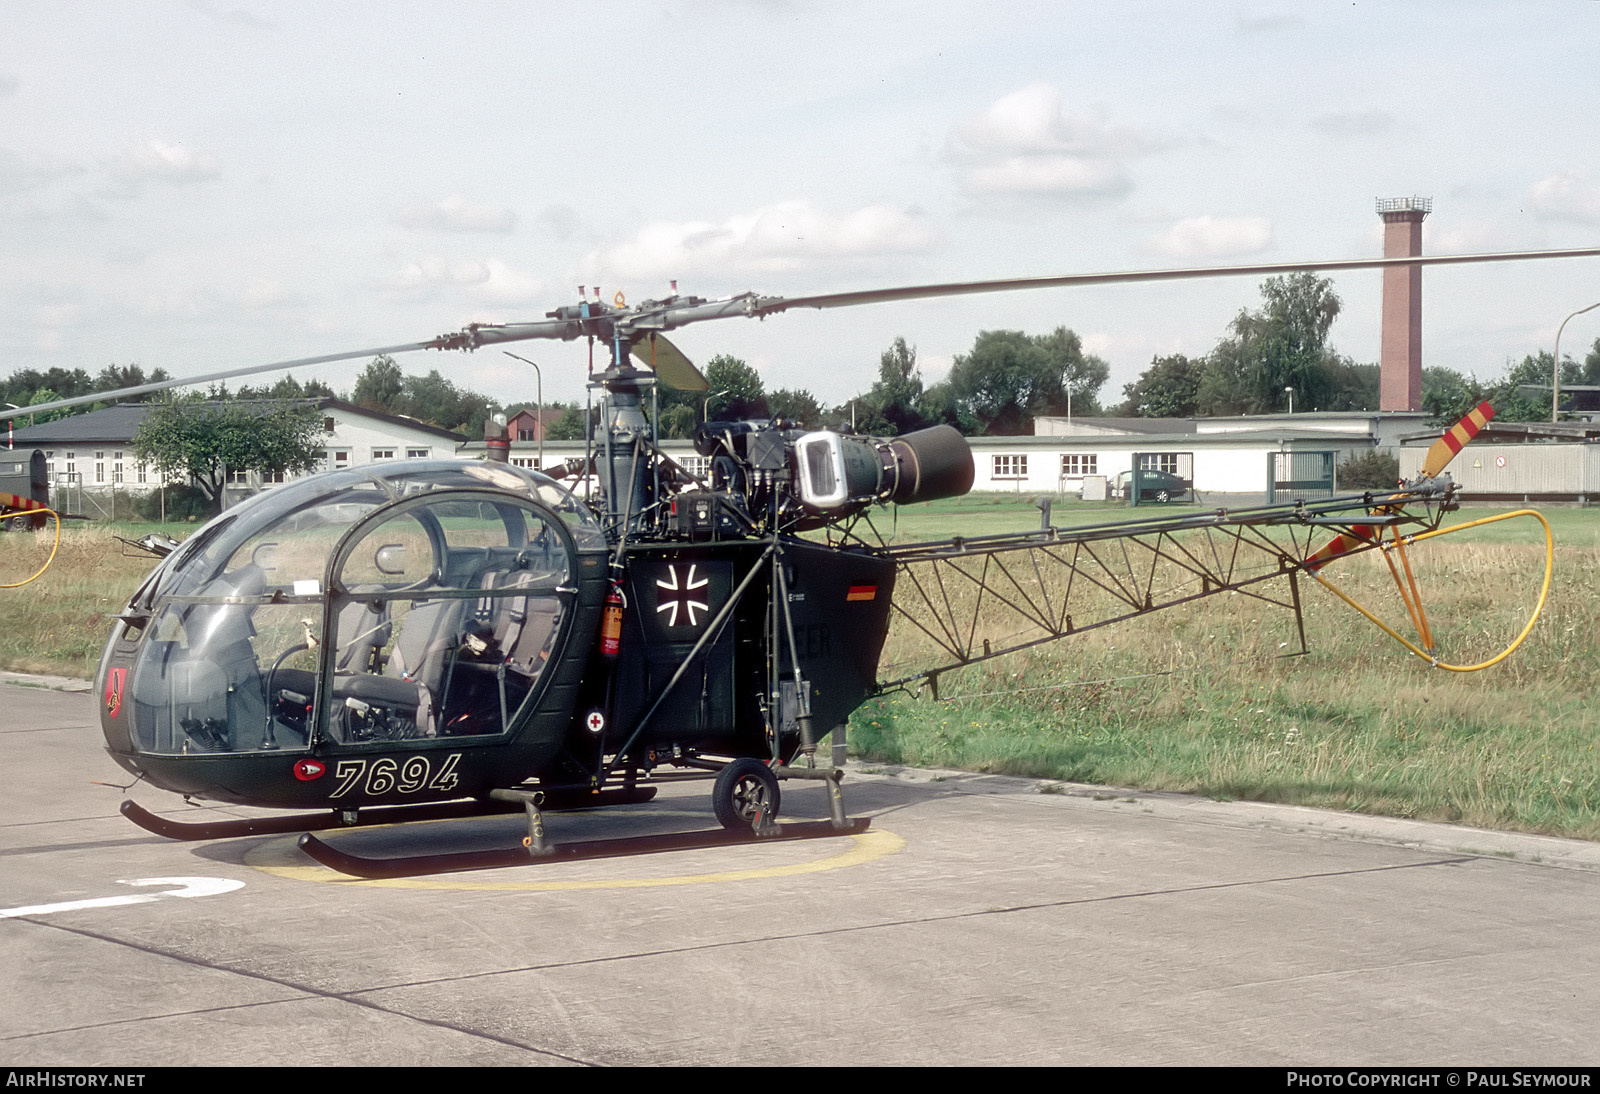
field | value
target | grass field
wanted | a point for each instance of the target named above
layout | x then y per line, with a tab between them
1194	698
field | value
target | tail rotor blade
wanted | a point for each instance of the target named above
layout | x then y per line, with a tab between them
1439	456
1445	448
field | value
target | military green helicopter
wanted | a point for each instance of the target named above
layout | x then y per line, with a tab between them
437	638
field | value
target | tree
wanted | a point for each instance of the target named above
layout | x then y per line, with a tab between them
796	405
569	427
1010	378
379	385
204	440
1282	345
1169	388
22	386
288	388
113	377
891	406
745	396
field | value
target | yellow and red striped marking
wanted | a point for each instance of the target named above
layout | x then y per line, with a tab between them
1440	453
1455	439
862	592
1341	544
17	501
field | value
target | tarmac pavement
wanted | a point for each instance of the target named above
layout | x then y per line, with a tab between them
978	921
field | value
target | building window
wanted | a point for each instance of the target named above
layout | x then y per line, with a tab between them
524	461
238	477
1075	464
1011	467
383	453
416	453
327	425
141	473
272	477
696	465
1159	461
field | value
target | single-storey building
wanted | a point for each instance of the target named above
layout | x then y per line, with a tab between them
92	454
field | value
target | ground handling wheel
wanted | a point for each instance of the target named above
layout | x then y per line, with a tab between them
743	791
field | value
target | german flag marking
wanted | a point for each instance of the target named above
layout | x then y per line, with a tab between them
862	592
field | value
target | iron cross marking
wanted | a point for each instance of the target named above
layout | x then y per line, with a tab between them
671	595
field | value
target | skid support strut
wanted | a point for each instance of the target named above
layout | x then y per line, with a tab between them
832	776
535	842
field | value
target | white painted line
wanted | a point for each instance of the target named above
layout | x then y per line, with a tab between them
186	887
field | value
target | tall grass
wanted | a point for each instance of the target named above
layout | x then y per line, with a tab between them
59	622
1195	698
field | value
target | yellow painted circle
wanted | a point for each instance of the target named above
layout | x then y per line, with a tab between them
282	858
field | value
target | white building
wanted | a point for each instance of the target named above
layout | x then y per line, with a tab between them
90	455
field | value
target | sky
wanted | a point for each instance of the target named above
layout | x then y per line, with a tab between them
202	185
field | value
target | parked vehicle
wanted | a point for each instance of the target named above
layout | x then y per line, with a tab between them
1156	486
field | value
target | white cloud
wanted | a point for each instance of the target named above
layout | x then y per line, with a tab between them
1353	123
20	173
455	214
263	292
1214	237
1268	24
158	161
1567	196
784	236
1028	143
1048	175
8	84
488	280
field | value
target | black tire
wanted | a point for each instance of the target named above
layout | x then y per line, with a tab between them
1163	497
740	790
19	524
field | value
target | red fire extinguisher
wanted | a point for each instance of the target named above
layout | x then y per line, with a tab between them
611	622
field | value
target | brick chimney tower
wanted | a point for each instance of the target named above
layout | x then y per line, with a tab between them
1400	362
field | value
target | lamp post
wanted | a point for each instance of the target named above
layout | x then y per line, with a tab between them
1290	390
705	407
1555	370
538	405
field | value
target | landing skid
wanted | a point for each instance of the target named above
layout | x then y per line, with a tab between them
396	814
376	868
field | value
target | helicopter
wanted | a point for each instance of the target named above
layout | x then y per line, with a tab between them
446	637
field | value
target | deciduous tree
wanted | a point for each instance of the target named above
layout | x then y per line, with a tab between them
203	441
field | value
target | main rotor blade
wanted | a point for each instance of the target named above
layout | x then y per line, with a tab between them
774	305
211	377
669	315
672	366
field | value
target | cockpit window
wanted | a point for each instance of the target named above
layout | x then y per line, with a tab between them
441	612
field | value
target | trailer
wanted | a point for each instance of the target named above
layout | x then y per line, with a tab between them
24	491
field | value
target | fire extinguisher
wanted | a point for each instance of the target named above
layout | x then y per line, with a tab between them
611	623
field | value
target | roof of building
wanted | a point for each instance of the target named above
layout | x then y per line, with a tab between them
117	424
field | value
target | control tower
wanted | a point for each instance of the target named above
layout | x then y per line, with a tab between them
1400	360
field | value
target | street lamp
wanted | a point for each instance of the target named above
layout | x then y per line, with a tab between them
1290	390
538	403
1555	370
705	407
